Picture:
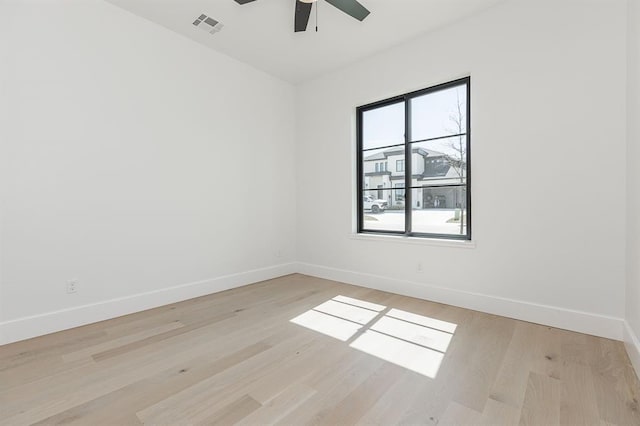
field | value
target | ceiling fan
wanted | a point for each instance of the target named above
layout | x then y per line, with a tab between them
303	10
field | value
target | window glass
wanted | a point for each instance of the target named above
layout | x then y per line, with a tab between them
383	126
436	196
438	114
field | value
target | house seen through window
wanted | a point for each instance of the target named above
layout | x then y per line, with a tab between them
425	134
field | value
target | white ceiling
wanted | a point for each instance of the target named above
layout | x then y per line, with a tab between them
261	33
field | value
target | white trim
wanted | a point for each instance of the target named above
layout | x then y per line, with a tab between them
632	344
401	239
51	322
554	316
583	322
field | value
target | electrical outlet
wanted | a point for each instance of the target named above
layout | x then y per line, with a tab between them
278	254
419	267
72	286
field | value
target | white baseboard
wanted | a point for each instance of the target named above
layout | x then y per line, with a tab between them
50	322
632	343
583	322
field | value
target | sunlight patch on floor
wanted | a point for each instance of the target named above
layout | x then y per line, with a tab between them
436	324
347	312
412	341
405	354
327	324
413	333
360	303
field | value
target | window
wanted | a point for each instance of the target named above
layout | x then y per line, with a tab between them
427	133
399	192
381	167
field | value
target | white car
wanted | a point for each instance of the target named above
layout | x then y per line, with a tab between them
376	206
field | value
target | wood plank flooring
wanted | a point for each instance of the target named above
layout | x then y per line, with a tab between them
301	350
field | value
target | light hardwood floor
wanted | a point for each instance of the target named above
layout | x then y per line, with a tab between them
300	350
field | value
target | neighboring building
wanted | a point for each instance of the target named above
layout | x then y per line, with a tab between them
384	172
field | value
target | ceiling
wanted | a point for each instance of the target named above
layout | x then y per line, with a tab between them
261	33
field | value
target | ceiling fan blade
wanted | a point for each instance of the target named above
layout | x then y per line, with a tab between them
244	1
303	11
351	7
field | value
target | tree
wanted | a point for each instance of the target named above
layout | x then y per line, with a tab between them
456	157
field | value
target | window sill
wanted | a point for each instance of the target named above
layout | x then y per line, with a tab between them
401	239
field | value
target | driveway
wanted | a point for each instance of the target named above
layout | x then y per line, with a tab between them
432	221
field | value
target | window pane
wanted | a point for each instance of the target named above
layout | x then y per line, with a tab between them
381	210
439	162
439	113
383	167
383	126
439	210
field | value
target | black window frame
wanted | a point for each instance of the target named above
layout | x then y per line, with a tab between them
406	99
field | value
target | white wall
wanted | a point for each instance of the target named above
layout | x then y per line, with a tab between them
114	146
548	138
114	133
633	183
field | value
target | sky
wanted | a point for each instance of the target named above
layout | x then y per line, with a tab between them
431	117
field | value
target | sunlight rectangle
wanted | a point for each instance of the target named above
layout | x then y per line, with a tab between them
360	303
415	333
404	354
422	320
348	312
327	324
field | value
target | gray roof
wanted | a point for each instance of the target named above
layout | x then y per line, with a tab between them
400	150
431	170
376	156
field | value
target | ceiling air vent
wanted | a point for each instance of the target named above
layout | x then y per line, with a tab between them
208	24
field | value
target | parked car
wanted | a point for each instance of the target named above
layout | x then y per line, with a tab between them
376	206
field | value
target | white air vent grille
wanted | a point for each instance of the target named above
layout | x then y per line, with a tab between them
208	24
